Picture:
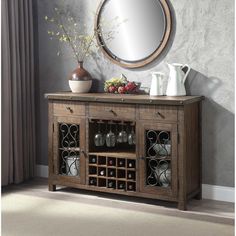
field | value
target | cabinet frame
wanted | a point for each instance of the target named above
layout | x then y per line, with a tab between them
185	130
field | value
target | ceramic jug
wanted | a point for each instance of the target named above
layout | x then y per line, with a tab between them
177	79
157	84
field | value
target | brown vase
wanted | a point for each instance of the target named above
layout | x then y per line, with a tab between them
80	74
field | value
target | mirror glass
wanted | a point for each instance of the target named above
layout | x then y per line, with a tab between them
132	31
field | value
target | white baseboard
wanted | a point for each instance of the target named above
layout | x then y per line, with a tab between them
213	192
219	193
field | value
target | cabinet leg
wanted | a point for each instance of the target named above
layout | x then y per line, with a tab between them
52	187
182	205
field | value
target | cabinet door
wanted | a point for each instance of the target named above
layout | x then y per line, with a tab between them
68	148
158	158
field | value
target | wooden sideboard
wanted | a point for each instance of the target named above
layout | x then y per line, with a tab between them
134	145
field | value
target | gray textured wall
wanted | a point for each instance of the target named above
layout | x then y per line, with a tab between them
204	39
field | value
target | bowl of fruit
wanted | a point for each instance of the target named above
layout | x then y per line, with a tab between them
121	85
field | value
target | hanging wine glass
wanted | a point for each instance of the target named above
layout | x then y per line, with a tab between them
131	137
110	138
99	139
122	136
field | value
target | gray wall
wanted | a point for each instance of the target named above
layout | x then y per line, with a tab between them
204	39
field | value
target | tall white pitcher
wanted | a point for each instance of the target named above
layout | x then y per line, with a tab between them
177	79
157	84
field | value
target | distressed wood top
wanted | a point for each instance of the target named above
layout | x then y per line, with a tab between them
124	98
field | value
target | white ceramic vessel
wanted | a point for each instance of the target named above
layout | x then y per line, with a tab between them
79	86
72	166
177	79
157	84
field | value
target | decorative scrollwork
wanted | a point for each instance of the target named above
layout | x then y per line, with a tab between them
69	149
158	149
70	163
159	143
69	135
160	172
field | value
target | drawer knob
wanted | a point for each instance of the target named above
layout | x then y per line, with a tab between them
69	109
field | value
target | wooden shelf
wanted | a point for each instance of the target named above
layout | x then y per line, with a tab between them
130	155
101	165
92	164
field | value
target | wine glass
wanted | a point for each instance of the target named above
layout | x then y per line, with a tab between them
131	137
110	138
99	139
122	136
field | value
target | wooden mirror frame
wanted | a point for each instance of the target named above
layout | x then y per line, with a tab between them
149	59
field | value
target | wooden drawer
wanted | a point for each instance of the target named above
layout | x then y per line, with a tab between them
68	109
119	111
158	113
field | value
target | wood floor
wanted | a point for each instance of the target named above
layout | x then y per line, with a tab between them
212	211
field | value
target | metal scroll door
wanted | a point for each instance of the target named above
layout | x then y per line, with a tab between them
158	158
69	146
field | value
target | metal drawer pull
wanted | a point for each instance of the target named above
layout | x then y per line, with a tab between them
69	109
111	111
159	114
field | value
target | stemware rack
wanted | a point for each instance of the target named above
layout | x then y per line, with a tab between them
106	127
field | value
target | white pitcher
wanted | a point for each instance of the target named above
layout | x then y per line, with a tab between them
177	79
157	84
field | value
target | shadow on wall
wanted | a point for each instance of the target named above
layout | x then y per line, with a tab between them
98	83
197	83
217	131
217	144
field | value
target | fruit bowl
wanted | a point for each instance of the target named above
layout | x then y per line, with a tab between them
121	86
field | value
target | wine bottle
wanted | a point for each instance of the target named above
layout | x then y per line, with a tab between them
130	165
111	173
111	184
121	163
130	176
111	162
93	160
102	172
93	182
130	187
121	186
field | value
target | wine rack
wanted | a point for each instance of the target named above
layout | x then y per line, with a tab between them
113	173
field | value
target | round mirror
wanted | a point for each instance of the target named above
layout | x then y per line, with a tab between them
133	33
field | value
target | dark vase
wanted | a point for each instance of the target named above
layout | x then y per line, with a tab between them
80	74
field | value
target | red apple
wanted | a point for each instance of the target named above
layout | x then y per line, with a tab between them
112	89
121	89
131	86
